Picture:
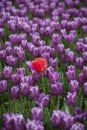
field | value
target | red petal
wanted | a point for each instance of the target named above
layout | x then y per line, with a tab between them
36	66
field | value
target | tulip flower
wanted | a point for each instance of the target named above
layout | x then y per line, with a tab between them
39	64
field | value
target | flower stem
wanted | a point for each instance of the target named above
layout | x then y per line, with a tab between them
43	82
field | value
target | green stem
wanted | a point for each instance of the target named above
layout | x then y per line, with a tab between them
25	107
43	82
29	107
52	104
15	106
3	108
21	102
58	103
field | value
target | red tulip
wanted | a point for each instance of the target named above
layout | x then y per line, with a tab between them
39	64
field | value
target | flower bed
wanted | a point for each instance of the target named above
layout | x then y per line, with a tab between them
43	65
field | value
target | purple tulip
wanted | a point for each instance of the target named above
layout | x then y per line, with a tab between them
81	78
57	89
84	29
2	22
84	56
85	46
30	80
36	76
7	44
14	92
56	118
60	119
37	113
34	92
60	48
13	38
69	3
27	79
71	75
74	86
53	62
67	121
49	31
36	52
11	60
3	86
20	53
42	31
1	33
70	56
24	89
29	65
43	100
33	124
3	54
78	126
71	67
83	10
78	114
7	72
52	52
54	77
77	3
70	38
71	99
46	55
16	39
21	56
85	39
73	25
25	27
78	111
61	4
79	46
66	16
24	44
15	79
85	115
64	24
79	62
80	40
56	38
12	26
85	72
9	50
14	121
85	88
21	71
35	39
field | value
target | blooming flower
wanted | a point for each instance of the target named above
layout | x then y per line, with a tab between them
34	125
39	64
3	86
71	99
37	113
43	100
14	92
13	121
78	126
60	119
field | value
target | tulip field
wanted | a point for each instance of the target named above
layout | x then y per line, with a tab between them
43	64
